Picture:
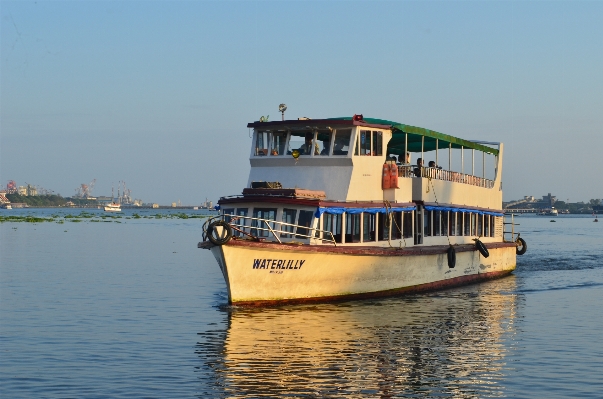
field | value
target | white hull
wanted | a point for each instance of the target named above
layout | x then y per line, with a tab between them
270	273
113	208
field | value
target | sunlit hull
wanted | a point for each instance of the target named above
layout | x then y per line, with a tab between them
113	208
264	273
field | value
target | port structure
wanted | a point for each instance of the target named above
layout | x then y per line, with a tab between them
85	190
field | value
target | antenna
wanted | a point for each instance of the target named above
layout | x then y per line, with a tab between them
282	108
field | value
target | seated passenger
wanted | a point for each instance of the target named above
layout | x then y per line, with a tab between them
432	164
338	149
325	147
419	167
306	148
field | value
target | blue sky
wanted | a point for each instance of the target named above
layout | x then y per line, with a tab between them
158	94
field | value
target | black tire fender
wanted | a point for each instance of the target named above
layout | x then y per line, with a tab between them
451	252
522	247
481	248
222	238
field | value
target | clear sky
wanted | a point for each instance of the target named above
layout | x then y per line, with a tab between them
158	94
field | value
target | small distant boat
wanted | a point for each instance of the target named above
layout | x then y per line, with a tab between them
7	206
548	212
113	207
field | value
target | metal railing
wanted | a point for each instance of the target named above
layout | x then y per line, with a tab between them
512	232
282	229
447	175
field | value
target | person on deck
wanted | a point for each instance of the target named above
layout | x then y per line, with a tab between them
306	148
419	167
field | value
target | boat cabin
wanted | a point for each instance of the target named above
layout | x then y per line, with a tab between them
353	181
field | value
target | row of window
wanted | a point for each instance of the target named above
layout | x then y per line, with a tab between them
447	223
363	227
367	227
318	143
297	217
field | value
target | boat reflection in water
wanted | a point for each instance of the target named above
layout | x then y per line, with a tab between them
447	344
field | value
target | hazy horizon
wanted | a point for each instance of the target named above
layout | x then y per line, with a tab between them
158	94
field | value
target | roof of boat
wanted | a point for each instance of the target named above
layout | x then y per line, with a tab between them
418	139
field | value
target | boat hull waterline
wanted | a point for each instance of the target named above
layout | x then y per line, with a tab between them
259	274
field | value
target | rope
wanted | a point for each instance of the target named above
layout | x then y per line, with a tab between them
390	216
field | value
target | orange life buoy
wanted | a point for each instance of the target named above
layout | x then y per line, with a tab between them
393	175
385	182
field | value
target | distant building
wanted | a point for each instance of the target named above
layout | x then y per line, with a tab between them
549	200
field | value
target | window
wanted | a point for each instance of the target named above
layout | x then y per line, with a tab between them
323	139
369	143
262	142
397	226
492	224
436	222
486	225
480	226
377	143
383	226
303	142
444	223
352	227
407	220
279	140
289	216
262	213
460	217
427	218
467	223
452	223
341	141
364	143
305	219
332	223
241	222
228	211
368	227
270	143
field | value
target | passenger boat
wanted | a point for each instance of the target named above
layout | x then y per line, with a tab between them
328	214
113	207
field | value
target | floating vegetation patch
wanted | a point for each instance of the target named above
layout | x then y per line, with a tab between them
91	217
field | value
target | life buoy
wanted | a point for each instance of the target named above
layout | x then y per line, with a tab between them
393	175
482	248
215	236
451	257
385	182
522	247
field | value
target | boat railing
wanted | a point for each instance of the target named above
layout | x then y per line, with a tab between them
511	231
442	174
263	228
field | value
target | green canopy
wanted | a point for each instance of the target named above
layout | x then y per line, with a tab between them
417	134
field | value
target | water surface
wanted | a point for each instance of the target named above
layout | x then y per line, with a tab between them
131	308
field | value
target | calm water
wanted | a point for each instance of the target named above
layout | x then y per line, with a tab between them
130	308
